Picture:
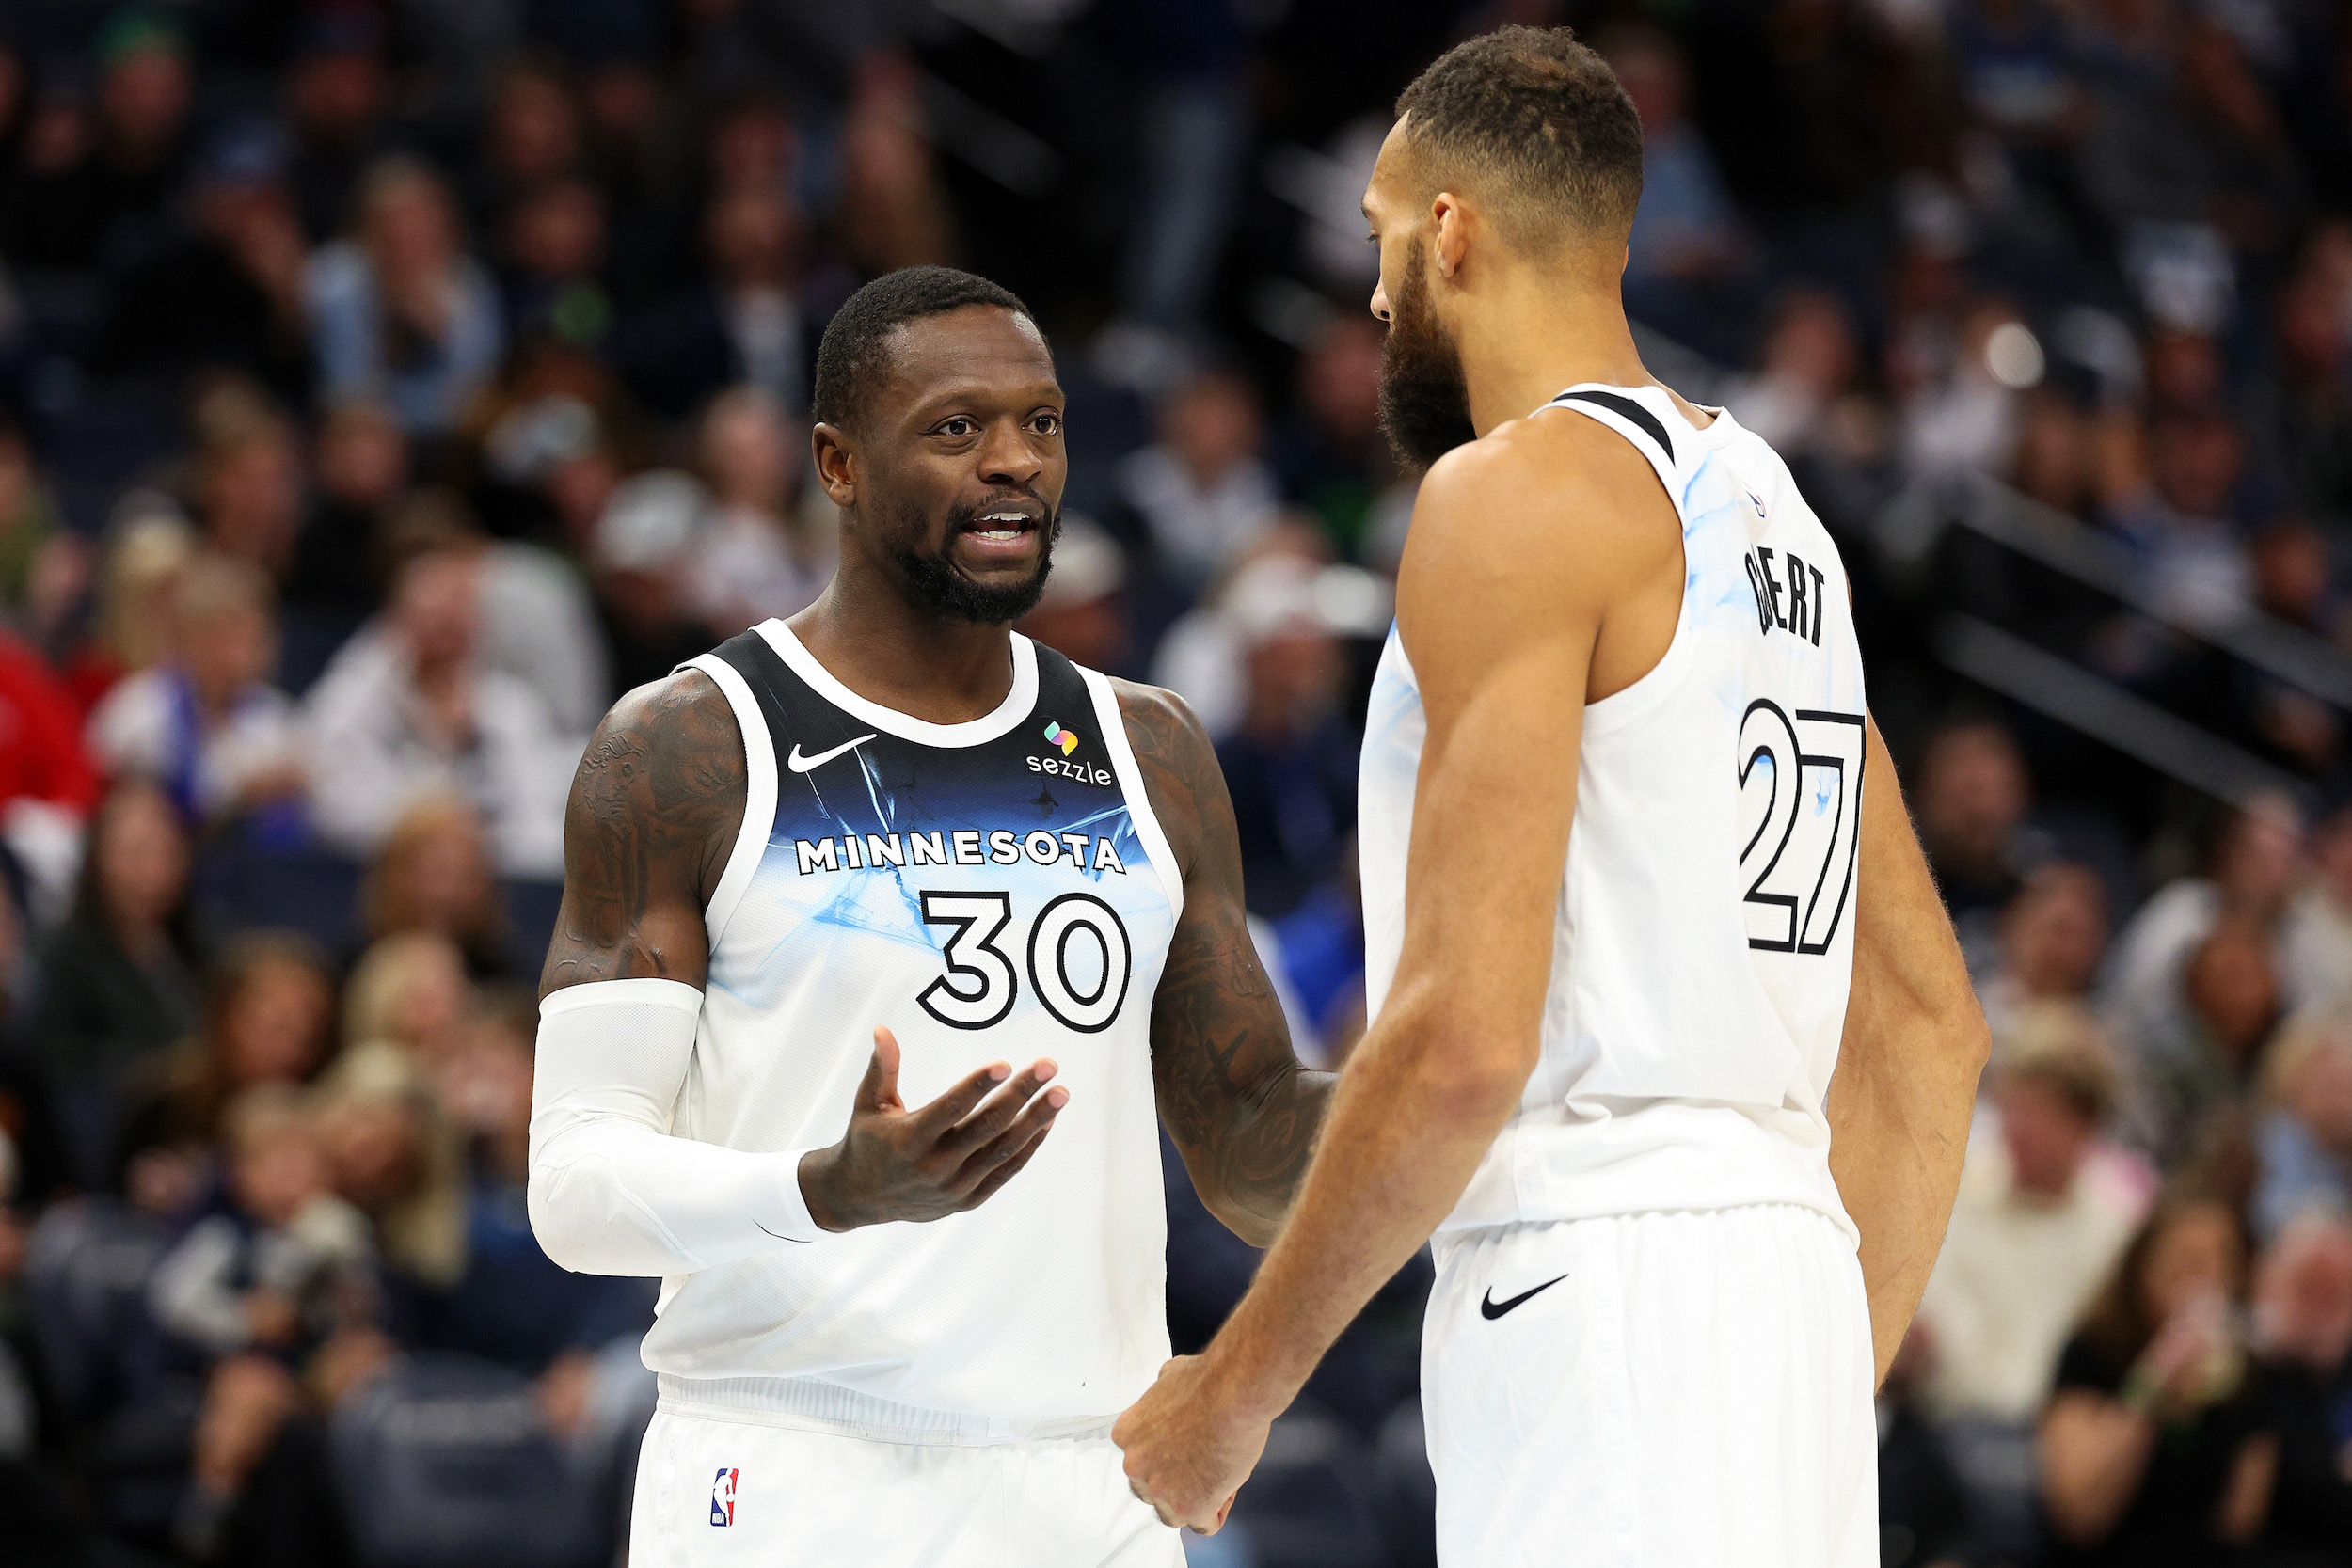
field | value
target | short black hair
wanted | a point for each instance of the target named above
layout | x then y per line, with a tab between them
854	357
1544	122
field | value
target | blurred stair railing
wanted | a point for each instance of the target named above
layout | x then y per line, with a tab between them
2059	689
2043	534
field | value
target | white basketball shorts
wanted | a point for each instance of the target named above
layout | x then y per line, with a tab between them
1659	1390
718	1493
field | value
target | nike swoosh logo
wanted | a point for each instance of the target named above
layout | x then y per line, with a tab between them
800	763
1491	1309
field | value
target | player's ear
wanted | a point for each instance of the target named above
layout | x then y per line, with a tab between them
836	463
1448	233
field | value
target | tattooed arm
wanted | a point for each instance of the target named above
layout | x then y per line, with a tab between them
653	813
1242	1110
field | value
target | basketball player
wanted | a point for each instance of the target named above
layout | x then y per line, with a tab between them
1637	878
822	887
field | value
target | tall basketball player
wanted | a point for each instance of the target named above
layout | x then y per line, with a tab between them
862	862
1637	879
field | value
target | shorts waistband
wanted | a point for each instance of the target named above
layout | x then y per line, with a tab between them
809	1406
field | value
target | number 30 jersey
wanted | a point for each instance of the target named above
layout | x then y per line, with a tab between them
1703	946
996	890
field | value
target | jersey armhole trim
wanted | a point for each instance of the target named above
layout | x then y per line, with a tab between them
1130	778
759	794
1654	684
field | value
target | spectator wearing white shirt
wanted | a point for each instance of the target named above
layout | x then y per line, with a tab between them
411	710
205	723
1205	495
2040	1221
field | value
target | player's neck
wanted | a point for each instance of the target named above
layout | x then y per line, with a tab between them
928	666
1521	352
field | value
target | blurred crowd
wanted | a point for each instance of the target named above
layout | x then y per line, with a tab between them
386	385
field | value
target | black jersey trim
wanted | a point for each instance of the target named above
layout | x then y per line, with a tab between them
1629	410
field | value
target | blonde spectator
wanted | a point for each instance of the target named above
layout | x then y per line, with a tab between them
409	991
434	875
204	723
392	1154
151	543
2305	1132
269	1018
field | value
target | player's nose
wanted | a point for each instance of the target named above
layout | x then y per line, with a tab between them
1007	457
1380	300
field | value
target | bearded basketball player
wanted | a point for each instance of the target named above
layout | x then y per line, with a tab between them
823	888
1637	881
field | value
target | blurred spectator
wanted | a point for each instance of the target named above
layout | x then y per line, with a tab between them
337	94
118	976
46	781
269	1018
361	473
1329	454
228	293
533	135
2252	858
893	213
2183	531
1290	760
2205	1062
1083	616
205	723
98	178
2311	429
400	311
2036	1231
1686	234
2315	937
130	621
1202	492
2154	1449
555	243
1924	1519
249	489
413	713
434	875
1961	410
759	556
743	324
392	1153
1971	796
2305	1134
640	550
2303	1328
275	1268
2053	933
537	620
409	993
29	518
1804	397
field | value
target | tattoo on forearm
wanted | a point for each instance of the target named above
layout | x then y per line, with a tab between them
654	812
1237	1101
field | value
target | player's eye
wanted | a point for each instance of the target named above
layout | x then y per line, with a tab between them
1046	424
959	426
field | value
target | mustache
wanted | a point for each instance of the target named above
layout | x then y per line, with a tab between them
965	515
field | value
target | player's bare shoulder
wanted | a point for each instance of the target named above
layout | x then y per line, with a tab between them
655	809
1178	763
1551	505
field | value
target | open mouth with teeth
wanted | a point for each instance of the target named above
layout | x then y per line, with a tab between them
1001	527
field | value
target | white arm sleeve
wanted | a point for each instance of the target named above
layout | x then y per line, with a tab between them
610	1191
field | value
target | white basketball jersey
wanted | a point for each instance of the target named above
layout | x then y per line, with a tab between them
1703	948
991	890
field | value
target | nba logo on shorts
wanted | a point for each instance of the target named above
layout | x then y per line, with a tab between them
722	1496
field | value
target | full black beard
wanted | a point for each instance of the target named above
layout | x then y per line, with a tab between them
934	584
1424	400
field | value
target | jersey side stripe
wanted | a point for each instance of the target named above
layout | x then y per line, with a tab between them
1130	778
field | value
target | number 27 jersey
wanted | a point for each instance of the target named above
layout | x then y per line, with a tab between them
1703	944
996	890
